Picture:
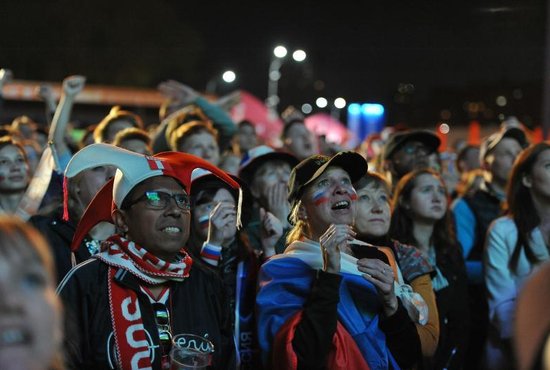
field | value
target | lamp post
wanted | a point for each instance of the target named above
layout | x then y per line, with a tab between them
279	54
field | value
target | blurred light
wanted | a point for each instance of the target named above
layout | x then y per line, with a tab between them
517	94
299	55
307	108
229	76
445	114
501	101
321	102
373	109
339	103
274	75
444	128
354	109
280	51
319	85
501	116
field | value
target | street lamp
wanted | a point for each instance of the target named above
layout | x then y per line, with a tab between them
228	77
279	54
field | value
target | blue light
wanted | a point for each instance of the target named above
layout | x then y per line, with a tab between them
354	109
372	109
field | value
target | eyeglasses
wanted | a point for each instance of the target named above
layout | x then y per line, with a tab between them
162	318
159	200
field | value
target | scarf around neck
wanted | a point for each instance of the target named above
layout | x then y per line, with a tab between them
122	253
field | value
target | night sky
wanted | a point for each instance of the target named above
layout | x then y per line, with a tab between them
444	52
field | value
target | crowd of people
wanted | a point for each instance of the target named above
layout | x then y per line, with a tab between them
304	256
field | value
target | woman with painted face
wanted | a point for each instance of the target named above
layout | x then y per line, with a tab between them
30	312
215	239
412	269
421	218
318	307
14	175
516	245
124	305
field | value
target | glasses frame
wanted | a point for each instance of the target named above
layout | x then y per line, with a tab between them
145	196
164	328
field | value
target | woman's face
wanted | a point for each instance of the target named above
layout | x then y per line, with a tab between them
373	211
30	317
201	213
14	170
330	199
428	199
539	181
203	145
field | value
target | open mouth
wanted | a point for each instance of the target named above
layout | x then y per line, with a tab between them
14	337
343	204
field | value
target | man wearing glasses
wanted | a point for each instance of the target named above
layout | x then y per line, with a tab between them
406	151
124	305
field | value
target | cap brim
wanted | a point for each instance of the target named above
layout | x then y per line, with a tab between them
429	139
353	163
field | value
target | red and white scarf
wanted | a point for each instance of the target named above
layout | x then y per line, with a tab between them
132	345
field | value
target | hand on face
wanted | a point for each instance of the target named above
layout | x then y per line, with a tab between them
277	202
271	232
381	275
333	242
223	224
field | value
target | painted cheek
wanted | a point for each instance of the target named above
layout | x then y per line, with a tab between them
320	197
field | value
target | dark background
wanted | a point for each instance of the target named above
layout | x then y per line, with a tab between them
417	58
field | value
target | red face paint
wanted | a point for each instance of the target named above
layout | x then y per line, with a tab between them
319	197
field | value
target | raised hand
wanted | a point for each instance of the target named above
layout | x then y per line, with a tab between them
333	242
73	85
381	275
271	231
223	224
177	91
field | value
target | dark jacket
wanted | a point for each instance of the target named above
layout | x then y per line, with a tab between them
197	306
59	234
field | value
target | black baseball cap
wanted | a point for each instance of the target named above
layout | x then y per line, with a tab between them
400	138
305	172
493	140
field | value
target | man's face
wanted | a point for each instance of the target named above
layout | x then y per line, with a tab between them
163	232
501	159
247	138
203	145
299	141
411	156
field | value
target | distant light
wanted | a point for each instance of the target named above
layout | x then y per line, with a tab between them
354	109
501	101
307	108
274	75
280	51
372	109
444	128
339	103
445	114
501	116
517	94
321	102
299	55
229	76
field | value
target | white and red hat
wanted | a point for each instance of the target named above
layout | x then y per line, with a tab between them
132	169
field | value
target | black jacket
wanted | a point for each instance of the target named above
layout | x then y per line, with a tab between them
197	306
59	235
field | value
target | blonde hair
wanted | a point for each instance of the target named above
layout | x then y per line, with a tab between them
300	228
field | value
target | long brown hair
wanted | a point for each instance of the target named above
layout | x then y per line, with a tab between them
443	237
521	207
